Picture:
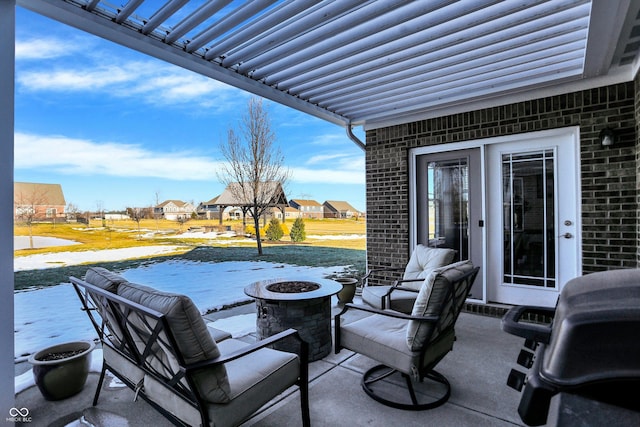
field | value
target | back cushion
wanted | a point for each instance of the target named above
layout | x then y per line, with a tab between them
109	281
191	335
430	300
424	259
103	278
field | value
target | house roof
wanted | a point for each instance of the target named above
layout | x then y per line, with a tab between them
178	203
302	202
378	63
213	201
31	193
340	206
231	196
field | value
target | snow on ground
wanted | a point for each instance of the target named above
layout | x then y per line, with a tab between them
61	259
22	242
52	315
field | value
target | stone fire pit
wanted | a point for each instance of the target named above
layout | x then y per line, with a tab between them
299	303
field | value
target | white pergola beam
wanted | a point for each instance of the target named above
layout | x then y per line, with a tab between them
7	67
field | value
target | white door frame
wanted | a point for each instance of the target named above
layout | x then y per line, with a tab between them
573	132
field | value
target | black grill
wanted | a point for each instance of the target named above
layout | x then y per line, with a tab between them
590	348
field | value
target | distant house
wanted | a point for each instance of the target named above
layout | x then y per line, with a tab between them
209	209
116	217
307	208
174	210
289	212
38	202
271	193
339	209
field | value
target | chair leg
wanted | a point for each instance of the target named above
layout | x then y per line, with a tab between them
100	380
412	392
379	373
304	405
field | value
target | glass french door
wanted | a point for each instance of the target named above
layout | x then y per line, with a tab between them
449	205
533	210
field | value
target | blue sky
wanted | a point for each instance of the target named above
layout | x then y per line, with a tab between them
117	128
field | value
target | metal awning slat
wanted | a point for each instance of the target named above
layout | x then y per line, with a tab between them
227	23
494	77
445	64
258	28
406	31
194	19
356	29
428	101
465	57
303	22
127	10
171	7
454	73
426	44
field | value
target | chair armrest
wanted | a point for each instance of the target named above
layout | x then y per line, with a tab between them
388	313
399	282
397	285
250	349
374	271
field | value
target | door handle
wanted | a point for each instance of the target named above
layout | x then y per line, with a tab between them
566	235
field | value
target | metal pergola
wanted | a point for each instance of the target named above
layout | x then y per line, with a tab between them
375	63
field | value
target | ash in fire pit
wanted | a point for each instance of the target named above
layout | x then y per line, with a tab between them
293	287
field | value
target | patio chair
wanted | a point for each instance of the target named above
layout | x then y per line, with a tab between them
402	293
159	346
409	347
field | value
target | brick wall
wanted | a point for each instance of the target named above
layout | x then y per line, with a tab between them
610	195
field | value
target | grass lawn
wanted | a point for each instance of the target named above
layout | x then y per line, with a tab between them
334	242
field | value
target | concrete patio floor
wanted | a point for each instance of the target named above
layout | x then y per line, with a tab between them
477	369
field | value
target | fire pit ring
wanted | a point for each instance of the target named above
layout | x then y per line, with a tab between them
300	303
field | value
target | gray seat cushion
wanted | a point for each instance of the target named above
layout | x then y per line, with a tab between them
254	380
384	339
191	334
373	295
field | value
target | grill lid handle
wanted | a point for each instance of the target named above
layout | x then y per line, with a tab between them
536	332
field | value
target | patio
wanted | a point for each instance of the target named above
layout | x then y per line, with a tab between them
477	369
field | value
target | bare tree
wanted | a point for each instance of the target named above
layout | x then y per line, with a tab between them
254	164
136	214
156	216
28	207
72	211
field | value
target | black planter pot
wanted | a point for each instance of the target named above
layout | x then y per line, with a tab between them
62	377
348	289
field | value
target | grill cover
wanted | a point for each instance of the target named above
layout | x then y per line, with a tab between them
595	333
591	348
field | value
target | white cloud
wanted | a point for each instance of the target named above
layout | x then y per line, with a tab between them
321	158
47	48
150	81
71	156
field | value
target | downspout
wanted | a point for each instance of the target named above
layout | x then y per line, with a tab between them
355	139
